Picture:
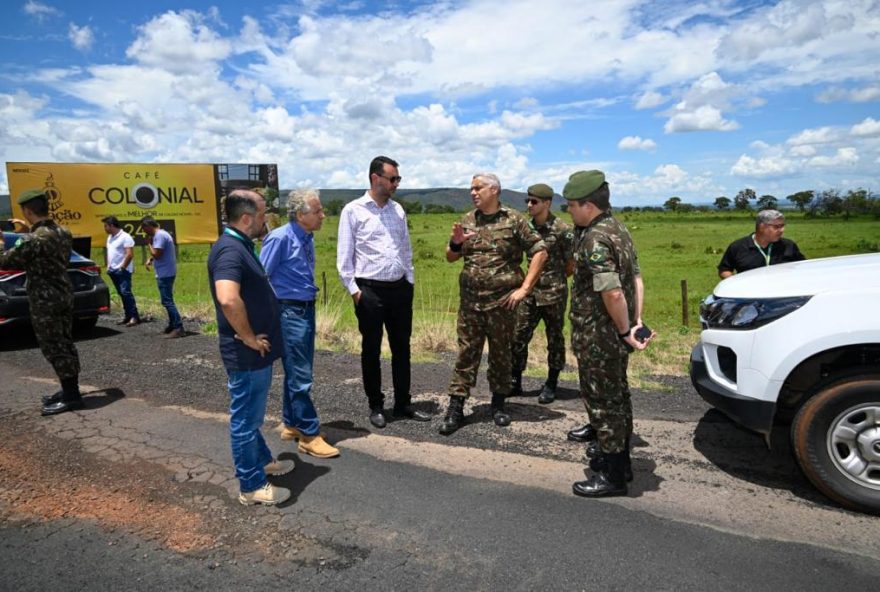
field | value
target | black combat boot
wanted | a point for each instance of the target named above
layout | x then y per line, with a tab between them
454	415
500	416
70	399
584	434
548	391
605	483
600	463
516	384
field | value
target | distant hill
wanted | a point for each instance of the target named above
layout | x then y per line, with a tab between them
457	198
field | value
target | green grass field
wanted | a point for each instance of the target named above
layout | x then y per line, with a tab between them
672	247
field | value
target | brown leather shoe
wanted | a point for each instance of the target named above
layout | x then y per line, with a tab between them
133	323
175	333
290	433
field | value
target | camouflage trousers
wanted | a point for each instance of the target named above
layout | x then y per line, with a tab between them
53	328
474	328
528	315
605	391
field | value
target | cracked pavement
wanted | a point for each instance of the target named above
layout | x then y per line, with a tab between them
137	490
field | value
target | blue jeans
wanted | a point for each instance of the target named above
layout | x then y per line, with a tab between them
298	330
122	282
247	408
166	296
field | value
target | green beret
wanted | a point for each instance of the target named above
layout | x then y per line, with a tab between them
582	183
541	190
31	194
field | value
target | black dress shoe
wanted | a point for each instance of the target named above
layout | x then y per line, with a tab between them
593	449
548	395
409	413
47	399
599	485
584	434
61	406
377	418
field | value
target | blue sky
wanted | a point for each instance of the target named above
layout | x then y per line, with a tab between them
694	99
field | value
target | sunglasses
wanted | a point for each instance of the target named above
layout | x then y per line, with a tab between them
532	201
394	179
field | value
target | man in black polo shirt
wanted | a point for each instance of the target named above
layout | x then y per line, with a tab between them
764	247
249	330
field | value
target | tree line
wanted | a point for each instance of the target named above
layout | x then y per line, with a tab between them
830	202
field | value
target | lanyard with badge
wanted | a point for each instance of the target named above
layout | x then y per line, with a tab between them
252	247
766	254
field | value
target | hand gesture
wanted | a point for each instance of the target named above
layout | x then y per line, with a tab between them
459	235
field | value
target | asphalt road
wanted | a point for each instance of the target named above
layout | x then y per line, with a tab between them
137	491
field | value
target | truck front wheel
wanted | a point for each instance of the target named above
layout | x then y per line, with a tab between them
836	440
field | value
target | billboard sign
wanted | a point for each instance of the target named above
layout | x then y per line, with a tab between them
184	198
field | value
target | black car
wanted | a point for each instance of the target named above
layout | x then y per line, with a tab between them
90	294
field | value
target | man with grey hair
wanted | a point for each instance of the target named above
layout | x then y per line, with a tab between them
288	256
491	239
764	247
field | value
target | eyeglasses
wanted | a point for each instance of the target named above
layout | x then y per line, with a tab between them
776	226
532	201
394	179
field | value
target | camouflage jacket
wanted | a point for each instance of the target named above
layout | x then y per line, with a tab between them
605	258
493	256
44	255
552	285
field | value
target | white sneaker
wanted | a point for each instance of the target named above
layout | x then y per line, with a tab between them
268	495
279	467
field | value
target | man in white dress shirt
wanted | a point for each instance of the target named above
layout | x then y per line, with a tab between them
374	260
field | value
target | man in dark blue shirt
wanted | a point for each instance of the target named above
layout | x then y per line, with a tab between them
250	340
288	256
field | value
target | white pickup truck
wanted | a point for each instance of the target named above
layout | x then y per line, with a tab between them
801	341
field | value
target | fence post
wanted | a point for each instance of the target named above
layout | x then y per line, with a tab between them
684	302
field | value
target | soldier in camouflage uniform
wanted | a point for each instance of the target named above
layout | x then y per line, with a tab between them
547	301
44	255
491	239
606	301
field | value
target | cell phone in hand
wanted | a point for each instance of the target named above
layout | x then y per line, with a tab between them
642	333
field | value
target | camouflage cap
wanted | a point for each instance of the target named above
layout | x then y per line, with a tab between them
541	191
30	194
582	183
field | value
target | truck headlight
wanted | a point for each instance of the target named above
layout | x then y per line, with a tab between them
746	313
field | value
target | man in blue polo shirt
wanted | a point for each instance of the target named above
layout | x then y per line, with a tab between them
250	340
288	256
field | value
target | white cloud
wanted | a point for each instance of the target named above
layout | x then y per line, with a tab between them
786	24
636	143
178	42
700	108
649	100
705	118
821	135
39	10
770	166
804	150
844	157
81	37
868	127
854	95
